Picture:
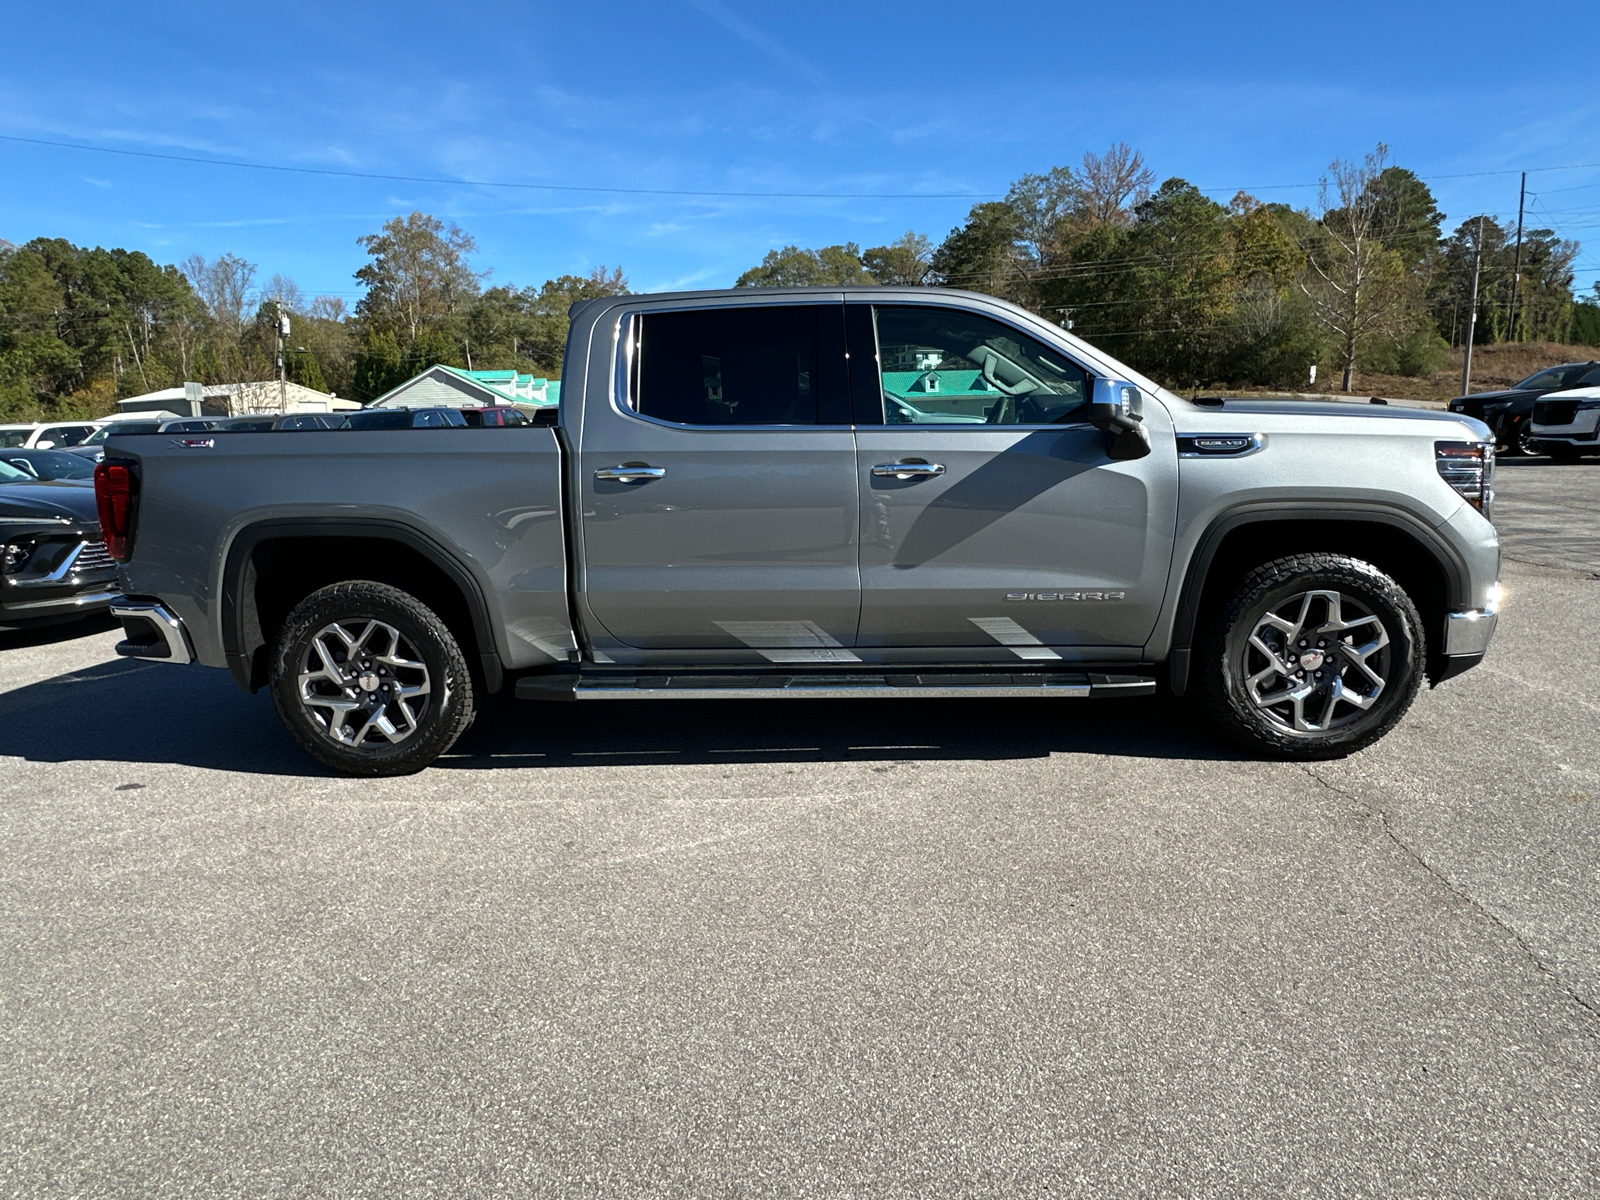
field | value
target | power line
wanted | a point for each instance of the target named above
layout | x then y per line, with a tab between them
620	191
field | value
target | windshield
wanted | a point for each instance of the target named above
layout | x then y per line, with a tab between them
9	474
1554	378
105	431
52	464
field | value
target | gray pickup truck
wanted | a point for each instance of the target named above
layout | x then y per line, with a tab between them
812	493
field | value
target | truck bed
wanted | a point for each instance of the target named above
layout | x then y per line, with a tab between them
487	502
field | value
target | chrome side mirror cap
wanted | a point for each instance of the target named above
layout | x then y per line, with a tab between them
1117	407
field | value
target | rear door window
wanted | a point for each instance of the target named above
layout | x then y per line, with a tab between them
761	365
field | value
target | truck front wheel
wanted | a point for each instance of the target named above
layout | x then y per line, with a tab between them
369	680
1316	656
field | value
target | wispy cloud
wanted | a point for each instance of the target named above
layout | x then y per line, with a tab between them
746	32
99	183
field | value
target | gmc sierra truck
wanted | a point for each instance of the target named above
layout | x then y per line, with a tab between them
885	493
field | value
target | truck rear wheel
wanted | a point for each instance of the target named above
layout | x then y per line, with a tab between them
369	680
1316	656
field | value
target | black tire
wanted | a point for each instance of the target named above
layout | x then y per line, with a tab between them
1237	680
1519	433
410	677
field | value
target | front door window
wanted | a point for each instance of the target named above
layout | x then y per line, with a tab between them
946	366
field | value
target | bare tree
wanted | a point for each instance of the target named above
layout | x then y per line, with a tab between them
1356	285
286	292
224	285
328	308
1110	184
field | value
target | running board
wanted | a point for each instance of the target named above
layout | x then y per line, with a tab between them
918	685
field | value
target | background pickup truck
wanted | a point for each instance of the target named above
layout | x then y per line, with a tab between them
819	493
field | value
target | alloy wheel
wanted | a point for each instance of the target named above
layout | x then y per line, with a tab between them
1315	662
364	684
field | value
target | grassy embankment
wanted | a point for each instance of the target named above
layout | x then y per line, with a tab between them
1493	367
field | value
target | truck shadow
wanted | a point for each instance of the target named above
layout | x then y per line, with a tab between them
132	712
508	732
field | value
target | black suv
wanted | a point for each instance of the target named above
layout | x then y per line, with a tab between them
1510	412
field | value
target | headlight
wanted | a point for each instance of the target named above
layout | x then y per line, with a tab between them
1469	468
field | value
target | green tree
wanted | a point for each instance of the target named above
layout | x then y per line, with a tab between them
831	266
905	262
526	329
87	324
419	278
982	255
1585	328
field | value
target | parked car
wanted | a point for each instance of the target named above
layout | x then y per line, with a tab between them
733	506
57	435
15	436
93	446
1510	412
1566	425
53	564
189	425
501	416
405	418
308	421
50	464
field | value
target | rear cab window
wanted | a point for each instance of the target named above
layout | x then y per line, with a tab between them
755	365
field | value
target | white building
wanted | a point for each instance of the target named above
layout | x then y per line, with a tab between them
235	400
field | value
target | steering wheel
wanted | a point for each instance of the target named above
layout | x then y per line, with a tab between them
1004	411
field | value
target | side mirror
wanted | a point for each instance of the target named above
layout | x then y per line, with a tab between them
44	445
1118	409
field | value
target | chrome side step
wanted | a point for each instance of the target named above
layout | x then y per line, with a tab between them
854	686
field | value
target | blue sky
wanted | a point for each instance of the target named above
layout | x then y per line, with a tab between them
918	99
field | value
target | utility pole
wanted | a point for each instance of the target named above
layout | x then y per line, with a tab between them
1472	314
1516	270
283	376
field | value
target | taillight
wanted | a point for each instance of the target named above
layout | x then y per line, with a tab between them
115	490
1469	468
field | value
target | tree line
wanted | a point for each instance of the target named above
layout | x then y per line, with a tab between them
81	327
1184	288
1195	292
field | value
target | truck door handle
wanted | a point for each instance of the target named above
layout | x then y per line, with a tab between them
913	469
630	473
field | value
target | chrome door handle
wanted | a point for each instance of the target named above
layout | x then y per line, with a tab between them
908	470
630	473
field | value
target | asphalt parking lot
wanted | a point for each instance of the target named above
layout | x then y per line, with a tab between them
931	949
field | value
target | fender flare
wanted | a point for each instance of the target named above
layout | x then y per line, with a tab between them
238	594
1445	556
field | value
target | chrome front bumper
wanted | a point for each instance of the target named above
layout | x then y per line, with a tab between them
153	632
1468	633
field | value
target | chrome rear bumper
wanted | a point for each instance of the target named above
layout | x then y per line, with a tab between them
153	632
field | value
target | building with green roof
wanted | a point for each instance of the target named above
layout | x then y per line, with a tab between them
451	387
